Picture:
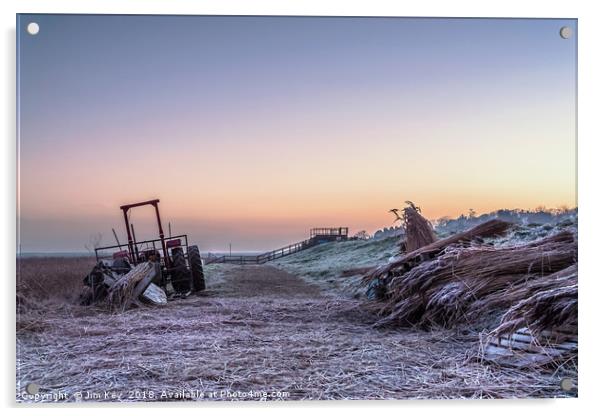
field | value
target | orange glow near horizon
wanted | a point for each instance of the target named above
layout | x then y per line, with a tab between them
323	179
320	175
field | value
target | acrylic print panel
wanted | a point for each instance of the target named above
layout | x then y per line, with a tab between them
288	208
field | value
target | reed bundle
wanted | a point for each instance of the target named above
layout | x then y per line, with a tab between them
418	230
544	304
121	294
466	282
488	229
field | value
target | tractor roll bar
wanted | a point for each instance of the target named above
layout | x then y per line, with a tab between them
154	203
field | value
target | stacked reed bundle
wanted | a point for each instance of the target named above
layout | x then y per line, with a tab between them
543	304
467	282
399	266
418	230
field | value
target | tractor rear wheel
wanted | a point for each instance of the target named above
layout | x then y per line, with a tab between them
181	279
196	268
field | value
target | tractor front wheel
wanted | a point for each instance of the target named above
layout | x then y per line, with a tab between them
196	268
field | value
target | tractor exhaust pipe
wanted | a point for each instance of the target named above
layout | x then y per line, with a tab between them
116	238
135	245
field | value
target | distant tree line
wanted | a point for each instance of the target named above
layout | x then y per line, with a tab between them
540	215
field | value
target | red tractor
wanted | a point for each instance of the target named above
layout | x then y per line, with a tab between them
181	264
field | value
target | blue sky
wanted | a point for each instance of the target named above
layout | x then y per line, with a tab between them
253	129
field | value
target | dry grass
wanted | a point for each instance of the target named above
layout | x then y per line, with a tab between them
45	278
320	349
259	329
48	283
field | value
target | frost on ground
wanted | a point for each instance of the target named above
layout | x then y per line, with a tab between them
526	233
257	333
337	267
331	266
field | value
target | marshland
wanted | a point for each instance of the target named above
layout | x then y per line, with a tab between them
303	327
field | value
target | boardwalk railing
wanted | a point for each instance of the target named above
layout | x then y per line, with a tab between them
265	257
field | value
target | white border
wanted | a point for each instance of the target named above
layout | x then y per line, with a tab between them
589	173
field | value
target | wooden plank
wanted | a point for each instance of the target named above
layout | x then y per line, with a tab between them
494	350
549	350
155	295
570	332
546	338
522	349
146	281
514	358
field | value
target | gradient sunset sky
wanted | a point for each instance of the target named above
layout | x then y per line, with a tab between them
251	130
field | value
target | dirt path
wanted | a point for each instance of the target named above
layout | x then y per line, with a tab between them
262	280
257	333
